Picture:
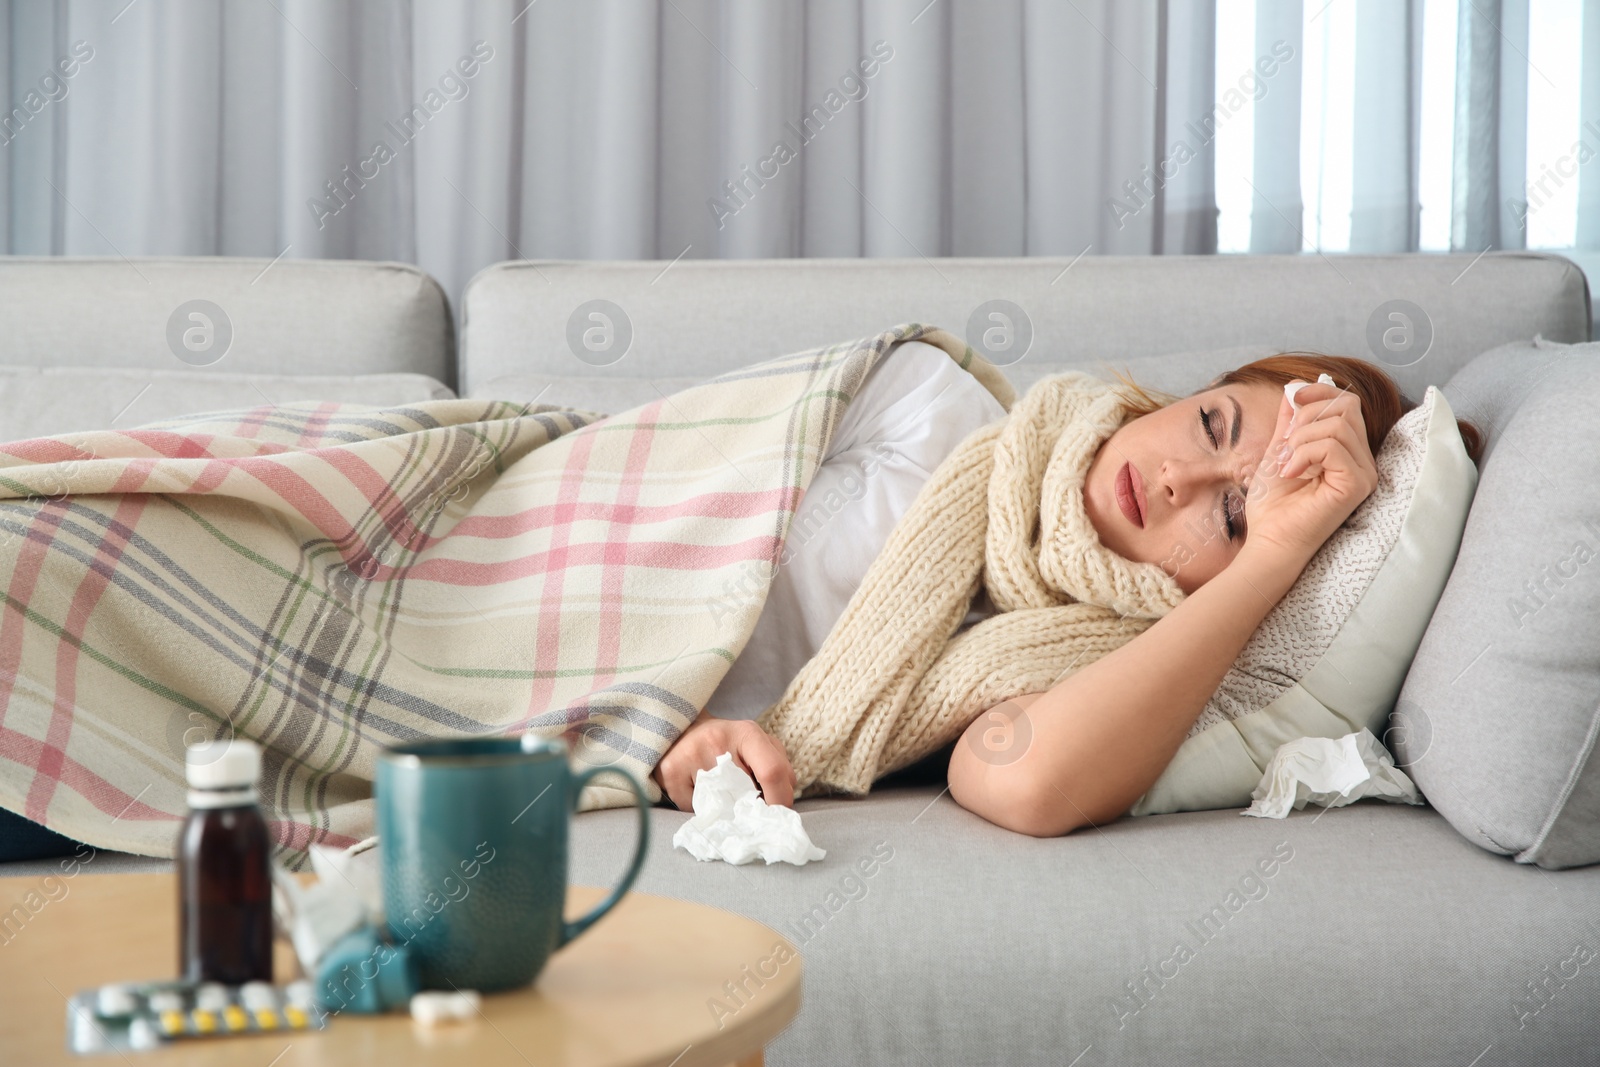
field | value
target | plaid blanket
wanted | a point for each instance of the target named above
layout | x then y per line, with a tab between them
329	579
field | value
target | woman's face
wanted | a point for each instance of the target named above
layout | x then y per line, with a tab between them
1188	483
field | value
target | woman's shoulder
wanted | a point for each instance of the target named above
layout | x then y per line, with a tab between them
919	365
914	387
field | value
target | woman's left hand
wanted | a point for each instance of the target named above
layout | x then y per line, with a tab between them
1313	475
754	751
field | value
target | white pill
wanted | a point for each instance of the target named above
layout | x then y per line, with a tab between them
166	1000
298	993
434	1008
115	1000
211	996
142	1034
258	996
87	1036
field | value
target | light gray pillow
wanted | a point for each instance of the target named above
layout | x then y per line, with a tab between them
1499	719
41	401
1330	657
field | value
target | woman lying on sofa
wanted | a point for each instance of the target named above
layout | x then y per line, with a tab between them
1049	585
1229	490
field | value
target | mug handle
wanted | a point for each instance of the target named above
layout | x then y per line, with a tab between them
570	930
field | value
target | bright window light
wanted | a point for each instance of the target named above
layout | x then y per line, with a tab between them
1327	125
1236	123
1313	59
1555	74
1437	137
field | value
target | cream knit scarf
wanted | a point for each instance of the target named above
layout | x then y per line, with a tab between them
893	681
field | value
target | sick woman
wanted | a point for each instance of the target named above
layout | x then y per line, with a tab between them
1095	559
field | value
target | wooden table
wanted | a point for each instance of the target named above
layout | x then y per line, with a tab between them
641	987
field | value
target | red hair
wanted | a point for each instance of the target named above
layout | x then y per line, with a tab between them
1382	403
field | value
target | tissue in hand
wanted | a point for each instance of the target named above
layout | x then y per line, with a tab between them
732	823
1291	388
1332	773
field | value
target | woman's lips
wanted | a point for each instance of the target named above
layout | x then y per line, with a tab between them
1130	494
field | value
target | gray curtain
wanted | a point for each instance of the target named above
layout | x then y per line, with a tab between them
1277	207
1384	211
1491	124
456	134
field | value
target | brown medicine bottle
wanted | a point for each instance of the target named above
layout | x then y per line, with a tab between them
224	873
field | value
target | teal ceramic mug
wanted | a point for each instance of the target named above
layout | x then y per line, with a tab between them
473	835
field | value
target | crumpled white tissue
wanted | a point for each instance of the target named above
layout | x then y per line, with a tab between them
356	870
733	824
1291	388
1329	772
315	916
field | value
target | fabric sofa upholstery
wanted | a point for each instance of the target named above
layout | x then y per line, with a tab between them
1385	937
1179	373
39	401
1499	718
289	316
93	344
697	318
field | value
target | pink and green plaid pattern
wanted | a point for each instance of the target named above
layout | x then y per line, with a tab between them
329	579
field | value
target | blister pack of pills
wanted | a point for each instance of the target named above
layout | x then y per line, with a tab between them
133	1016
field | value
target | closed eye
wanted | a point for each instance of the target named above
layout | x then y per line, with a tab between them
1228	506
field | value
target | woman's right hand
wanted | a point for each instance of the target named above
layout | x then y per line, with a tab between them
754	751
1294	504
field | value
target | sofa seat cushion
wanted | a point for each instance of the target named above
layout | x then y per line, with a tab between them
1499	718
929	936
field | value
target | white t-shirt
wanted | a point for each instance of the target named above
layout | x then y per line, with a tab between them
909	414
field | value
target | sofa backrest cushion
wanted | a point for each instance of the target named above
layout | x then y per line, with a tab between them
257	316
1179	373
1499	718
1423	316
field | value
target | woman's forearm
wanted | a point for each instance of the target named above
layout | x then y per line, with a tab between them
1097	740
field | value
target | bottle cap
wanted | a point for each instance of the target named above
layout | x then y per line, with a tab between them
230	764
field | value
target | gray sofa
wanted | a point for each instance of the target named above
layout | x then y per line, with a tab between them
1368	934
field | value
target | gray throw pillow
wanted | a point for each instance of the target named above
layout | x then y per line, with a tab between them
1499	716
